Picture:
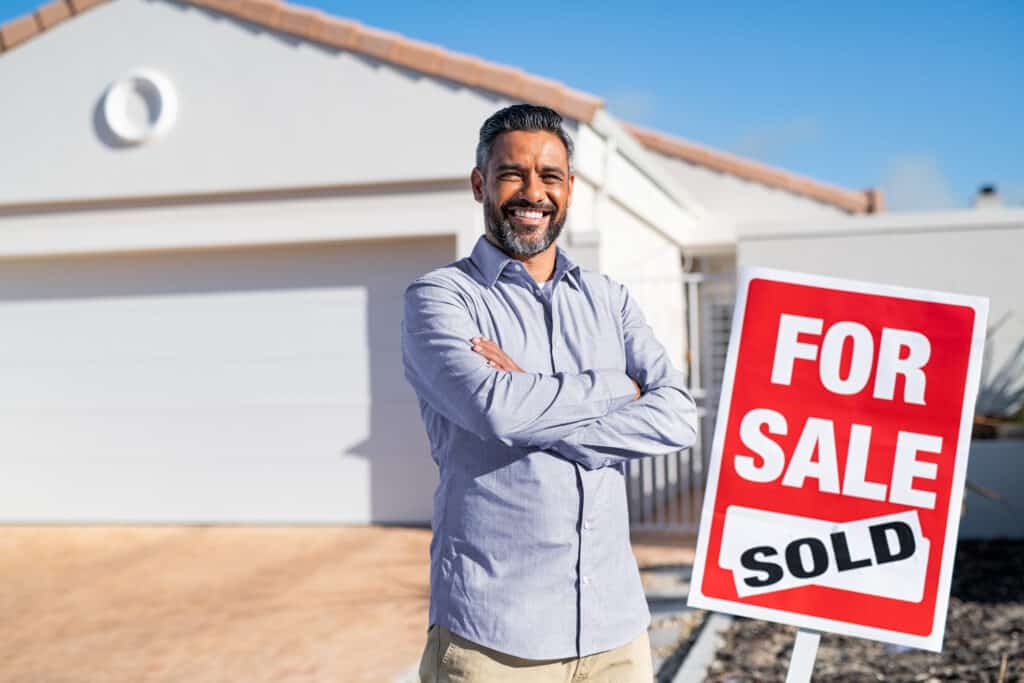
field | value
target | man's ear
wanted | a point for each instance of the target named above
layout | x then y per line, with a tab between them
568	196
476	179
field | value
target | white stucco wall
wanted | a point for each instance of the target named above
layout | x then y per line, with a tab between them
620	169
258	109
650	266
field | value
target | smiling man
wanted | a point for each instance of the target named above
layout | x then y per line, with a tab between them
537	382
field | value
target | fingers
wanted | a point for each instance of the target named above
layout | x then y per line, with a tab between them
495	356
488	350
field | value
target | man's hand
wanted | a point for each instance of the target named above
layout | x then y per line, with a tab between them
495	356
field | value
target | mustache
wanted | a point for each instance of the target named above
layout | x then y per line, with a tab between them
528	205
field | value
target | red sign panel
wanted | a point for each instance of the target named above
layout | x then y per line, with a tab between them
839	456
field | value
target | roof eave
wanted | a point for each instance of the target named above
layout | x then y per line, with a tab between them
853	201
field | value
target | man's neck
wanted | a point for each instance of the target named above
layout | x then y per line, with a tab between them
541	267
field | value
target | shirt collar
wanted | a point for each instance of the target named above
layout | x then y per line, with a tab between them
491	261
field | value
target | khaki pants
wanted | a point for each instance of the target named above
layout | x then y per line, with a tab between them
450	658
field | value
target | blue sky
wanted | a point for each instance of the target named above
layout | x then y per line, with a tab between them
924	99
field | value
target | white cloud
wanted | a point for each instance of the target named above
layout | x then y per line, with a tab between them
917	183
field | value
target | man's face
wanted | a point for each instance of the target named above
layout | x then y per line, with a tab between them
526	190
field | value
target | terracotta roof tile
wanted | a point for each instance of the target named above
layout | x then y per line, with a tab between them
376	42
17	31
52	14
301	21
876	200
854	201
462	68
580	105
339	32
550	92
263	12
225	6
79	6
506	80
510	81
429	59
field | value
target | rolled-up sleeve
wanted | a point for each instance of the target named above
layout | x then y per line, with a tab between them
516	408
663	420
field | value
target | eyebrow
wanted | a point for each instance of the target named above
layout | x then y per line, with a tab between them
509	167
521	169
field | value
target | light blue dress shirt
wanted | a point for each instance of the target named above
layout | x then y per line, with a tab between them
530	553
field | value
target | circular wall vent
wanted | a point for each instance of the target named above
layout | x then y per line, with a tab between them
141	106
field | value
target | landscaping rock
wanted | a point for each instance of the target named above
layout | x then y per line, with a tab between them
984	634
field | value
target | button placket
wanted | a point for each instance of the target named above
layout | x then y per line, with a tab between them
549	304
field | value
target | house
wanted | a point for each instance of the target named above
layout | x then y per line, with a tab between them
208	215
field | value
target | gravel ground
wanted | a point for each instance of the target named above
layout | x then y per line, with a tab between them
674	626
984	634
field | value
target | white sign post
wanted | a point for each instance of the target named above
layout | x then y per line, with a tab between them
805	649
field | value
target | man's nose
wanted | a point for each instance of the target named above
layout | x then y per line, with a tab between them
533	189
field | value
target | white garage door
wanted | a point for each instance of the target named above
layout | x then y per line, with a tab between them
243	385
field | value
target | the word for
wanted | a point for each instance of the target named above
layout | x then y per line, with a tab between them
900	353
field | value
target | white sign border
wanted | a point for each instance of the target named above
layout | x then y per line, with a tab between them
932	641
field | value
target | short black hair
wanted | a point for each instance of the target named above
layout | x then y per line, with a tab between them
520	117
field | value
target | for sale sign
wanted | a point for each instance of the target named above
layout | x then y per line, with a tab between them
839	458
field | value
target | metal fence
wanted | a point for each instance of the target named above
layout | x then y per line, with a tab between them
665	492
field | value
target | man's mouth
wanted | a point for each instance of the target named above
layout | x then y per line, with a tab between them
527	218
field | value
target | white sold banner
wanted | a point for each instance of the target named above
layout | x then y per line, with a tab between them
885	556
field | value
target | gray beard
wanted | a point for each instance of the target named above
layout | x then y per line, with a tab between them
510	241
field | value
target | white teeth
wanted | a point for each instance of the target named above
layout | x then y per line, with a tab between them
523	213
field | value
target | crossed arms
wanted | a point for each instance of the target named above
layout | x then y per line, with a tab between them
593	417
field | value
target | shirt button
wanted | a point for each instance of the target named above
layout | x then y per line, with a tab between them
586	524
586	580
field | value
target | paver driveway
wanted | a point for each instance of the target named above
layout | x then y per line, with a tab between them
219	603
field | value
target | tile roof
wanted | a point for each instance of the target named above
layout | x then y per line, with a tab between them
854	201
316	26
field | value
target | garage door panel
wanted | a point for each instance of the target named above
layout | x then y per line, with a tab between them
166	371
260	492
221	325
190	436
